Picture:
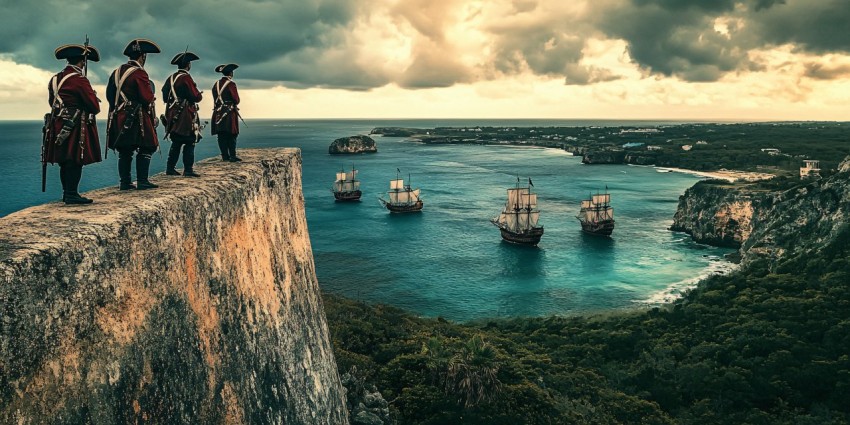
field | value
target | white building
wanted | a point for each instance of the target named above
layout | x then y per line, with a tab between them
811	169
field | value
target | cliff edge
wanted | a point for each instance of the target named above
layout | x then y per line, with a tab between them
807	216
193	303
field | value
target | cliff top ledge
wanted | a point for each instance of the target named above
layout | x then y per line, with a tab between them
196	302
51	225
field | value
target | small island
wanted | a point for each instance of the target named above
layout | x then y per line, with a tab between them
353	144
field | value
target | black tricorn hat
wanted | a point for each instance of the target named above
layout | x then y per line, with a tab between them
184	57
141	45
226	68
77	50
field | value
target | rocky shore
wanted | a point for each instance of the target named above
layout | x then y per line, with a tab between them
768	224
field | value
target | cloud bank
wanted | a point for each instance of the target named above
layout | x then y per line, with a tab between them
414	44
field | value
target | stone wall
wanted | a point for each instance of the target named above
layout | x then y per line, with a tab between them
193	303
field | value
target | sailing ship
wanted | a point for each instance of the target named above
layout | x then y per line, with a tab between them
346	187
596	215
518	221
402	198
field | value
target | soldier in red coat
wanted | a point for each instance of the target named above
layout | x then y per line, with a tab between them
181	121
132	119
225	116
70	131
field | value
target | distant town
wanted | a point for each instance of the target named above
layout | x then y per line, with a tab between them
776	148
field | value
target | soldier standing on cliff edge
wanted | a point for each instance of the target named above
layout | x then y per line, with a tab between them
225	116
70	131
132	120
181	121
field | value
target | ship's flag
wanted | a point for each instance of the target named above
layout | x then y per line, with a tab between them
530	183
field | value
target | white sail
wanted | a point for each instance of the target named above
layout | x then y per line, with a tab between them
609	214
340	176
533	218
515	197
351	175
587	204
604	198
393	197
414	195
529	200
510	221
347	186
397	184
356	185
522	221
337	186
590	215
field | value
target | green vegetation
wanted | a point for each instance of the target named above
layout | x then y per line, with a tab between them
755	347
712	146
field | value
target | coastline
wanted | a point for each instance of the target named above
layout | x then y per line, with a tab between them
728	175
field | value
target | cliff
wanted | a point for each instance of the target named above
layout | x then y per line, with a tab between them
769	224
353	144
193	303
719	215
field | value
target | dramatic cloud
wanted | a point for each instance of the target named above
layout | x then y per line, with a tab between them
361	45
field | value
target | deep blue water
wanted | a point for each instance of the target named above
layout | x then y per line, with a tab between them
449	260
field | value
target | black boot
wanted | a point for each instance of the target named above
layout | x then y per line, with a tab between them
63	179
173	155
143	163
73	175
223	147
125	162
231	149
189	160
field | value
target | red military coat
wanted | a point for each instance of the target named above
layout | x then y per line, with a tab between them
74	94
181	112
133	102
224	117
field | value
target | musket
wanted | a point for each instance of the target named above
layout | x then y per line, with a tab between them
44	138
86	57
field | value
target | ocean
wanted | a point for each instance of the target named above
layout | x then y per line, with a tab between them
449	261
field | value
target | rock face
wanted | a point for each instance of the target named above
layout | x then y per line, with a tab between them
715	215
193	303
353	144
768	225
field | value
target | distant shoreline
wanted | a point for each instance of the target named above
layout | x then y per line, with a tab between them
728	175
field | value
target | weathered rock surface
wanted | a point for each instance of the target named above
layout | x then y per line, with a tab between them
715	215
193	303
769	225
353	144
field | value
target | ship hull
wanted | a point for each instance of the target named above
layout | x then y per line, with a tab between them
403	208
602	228
530	237
348	196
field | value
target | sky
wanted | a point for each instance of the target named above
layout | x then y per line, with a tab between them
743	60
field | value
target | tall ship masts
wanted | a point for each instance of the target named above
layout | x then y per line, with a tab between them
519	220
597	215
402	197
346	187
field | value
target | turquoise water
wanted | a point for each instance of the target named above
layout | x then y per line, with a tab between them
449	260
